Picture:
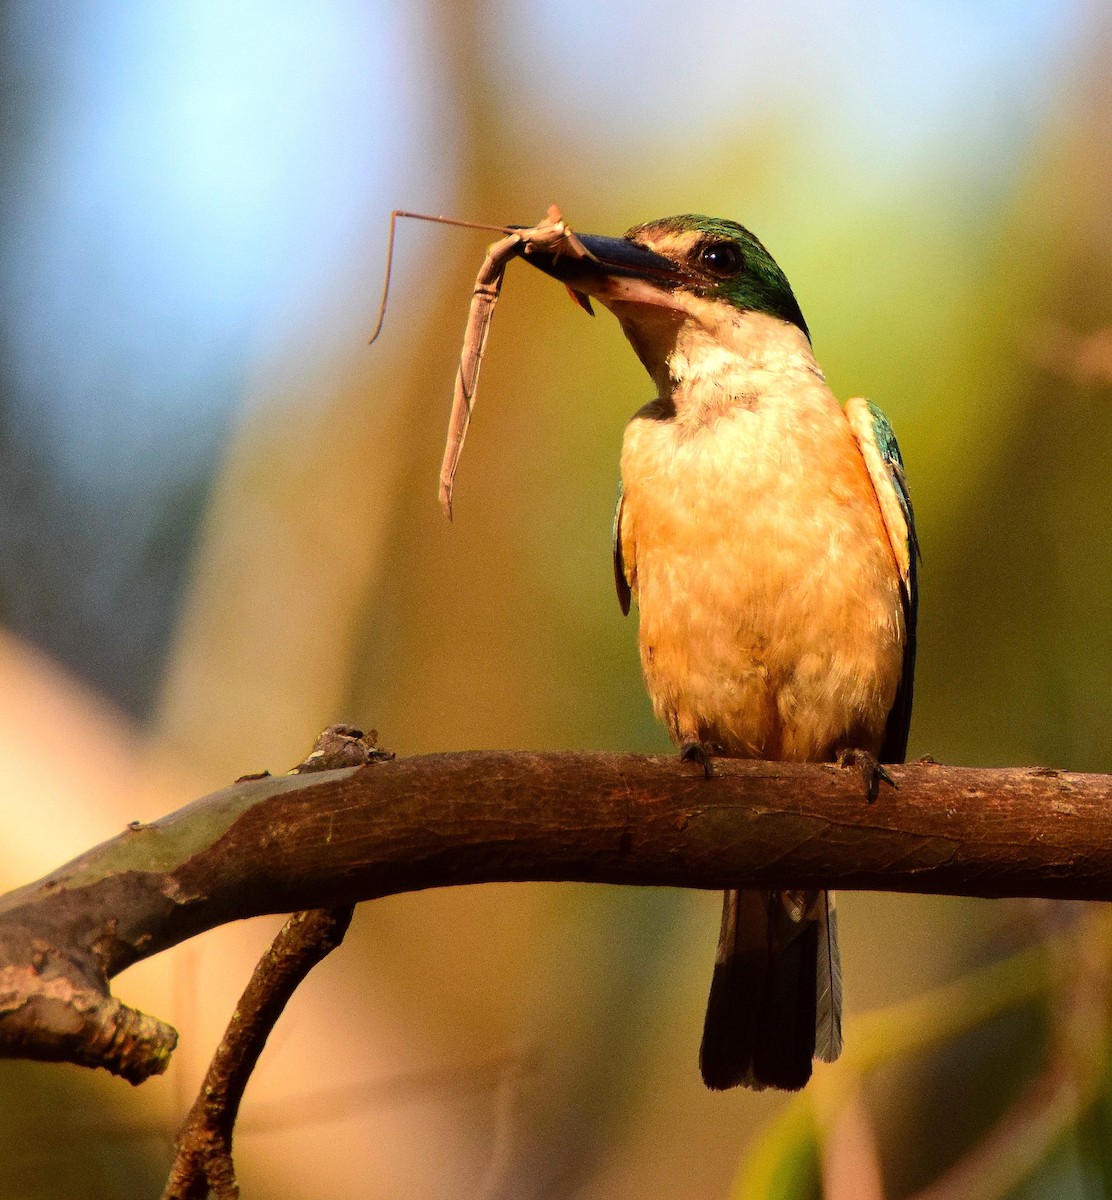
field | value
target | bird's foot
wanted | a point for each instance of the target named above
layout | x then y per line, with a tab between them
870	768
698	752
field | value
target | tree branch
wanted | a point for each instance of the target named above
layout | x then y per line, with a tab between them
275	845
203	1162
204	1158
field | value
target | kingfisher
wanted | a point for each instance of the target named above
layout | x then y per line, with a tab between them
766	534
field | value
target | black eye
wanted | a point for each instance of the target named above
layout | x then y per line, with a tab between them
721	259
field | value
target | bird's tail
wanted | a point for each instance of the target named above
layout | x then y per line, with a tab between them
776	996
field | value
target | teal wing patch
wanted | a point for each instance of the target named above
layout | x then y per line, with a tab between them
886	467
894	748
620	580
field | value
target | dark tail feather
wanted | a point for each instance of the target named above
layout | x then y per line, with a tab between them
785	1037
764	998
733	1009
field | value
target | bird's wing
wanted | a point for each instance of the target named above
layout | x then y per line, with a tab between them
886	469
621	579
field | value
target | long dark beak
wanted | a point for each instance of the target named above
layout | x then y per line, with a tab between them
610	258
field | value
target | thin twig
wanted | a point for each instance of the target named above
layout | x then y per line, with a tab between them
204	1155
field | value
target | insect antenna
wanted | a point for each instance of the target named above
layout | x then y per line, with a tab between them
416	216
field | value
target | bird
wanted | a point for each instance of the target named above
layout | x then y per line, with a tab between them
765	532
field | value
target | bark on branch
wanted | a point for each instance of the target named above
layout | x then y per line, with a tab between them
203	1163
277	845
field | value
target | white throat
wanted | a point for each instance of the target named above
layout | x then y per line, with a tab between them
744	362
723	348
697	348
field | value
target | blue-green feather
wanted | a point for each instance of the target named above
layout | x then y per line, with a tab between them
894	748
625	596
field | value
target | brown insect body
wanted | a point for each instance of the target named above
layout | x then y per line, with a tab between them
554	237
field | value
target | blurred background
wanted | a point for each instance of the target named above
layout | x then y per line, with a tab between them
219	533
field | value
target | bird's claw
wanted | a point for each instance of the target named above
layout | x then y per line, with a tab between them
700	753
871	769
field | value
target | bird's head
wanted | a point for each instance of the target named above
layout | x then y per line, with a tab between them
684	281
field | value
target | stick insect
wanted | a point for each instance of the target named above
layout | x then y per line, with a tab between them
552	235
